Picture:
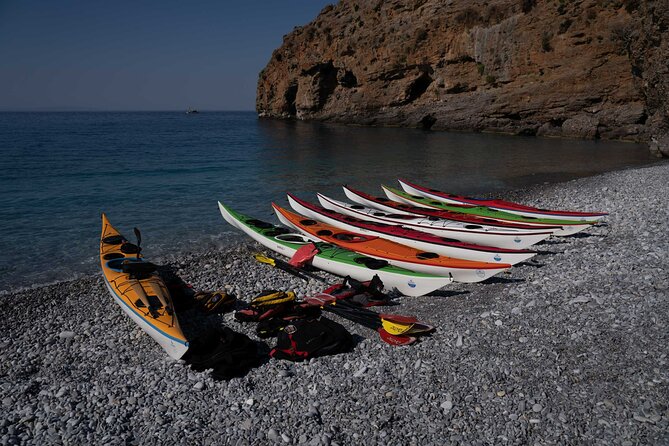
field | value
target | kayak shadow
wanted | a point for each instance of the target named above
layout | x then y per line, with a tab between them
558	241
446	293
585	235
532	263
546	253
496	279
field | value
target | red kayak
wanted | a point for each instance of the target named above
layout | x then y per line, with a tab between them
411	237
500	205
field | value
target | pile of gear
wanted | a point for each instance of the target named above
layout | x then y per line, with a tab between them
299	326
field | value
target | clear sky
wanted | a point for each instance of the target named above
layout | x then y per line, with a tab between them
140	55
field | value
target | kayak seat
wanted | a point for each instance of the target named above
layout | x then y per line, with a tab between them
349	237
473	226
371	263
324	232
129	248
276	231
400	216
113	255
259	224
113	240
427	255
138	270
295	238
308	222
357	206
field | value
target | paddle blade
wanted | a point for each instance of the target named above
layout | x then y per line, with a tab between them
395	339
320	300
400	319
420	329
395	328
264	259
304	255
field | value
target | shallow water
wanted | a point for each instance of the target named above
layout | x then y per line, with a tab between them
163	172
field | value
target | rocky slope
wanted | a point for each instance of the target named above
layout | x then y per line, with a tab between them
586	69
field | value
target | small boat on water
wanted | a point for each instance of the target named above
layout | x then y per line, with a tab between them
191	111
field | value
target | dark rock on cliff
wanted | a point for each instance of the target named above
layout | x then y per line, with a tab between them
586	69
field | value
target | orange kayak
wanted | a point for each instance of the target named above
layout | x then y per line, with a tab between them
139	290
395	253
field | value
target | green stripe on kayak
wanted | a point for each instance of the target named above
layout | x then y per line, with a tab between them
327	250
481	211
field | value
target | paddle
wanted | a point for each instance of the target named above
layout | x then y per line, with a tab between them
401	319
285	266
327	303
393	323
139	240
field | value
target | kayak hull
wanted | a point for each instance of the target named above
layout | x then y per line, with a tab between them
338	261
501	205
566	227
416	239
130	294
394	253
500	237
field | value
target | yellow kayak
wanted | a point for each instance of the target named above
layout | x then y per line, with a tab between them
139	290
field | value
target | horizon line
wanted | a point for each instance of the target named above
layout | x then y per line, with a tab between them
99	110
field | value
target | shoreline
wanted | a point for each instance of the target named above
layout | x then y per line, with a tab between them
572	351
524	195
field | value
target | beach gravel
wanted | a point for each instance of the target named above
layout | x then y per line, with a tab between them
571	349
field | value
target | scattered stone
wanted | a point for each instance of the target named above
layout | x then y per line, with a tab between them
361	371
118	385
580	300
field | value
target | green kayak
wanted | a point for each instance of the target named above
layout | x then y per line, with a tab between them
569	226
333	259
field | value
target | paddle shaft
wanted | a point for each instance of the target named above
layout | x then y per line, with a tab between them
287	267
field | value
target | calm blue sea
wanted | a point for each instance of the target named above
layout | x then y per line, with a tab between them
163	172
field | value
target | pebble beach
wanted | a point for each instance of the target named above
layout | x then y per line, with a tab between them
569	349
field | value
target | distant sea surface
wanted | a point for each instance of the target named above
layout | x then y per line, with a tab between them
163	172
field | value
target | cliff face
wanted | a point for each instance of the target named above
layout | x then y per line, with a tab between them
587	69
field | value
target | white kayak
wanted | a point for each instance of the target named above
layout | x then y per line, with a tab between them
506	238
562	227
410	237
333	259
500	205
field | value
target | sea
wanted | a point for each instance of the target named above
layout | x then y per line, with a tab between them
163	172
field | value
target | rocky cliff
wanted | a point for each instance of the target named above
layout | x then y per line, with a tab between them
586	69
